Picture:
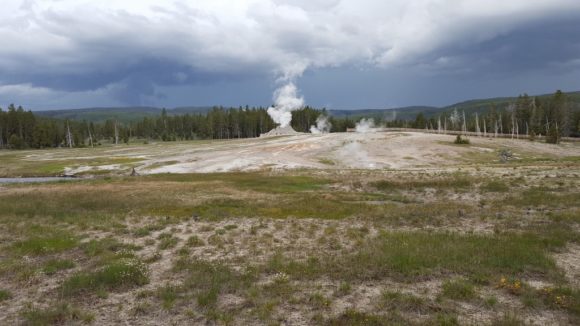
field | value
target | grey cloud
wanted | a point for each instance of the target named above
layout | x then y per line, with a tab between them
129	50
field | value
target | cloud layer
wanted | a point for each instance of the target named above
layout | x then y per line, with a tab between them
128	51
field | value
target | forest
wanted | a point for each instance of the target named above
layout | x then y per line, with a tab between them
554	117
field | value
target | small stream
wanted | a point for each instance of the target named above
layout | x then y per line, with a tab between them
36	179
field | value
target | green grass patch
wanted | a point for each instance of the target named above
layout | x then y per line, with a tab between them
277	184
59	314
168	294
461	141
39	245
108	248
166	241
208	280
406	302
54	265
541	196
122	274
508	319
51	168
195	241
571	215
458	289
357	318
495	186
326	161
419	254
249	181
447	182
412	255
290	206
565	298
5	295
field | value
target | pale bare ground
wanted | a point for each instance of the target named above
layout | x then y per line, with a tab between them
375	150
569	261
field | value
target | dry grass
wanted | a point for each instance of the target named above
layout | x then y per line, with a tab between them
251	248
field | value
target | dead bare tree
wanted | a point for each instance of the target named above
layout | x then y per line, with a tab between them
91	138
116	134
69	139
484	128
464	127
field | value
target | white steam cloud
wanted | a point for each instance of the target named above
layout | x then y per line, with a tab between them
365	125
322	125
354	155
286	100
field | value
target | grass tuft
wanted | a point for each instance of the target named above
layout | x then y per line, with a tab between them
45	245
195	241
59	314
54	265
167	241
458	289
5	295
208	280
122	274
357	318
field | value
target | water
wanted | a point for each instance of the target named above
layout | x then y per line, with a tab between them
35	179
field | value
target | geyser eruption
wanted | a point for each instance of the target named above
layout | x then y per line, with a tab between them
365	125
286	100
322	125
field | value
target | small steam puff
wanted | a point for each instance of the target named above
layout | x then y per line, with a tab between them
354	155
286	100
322	125
365	125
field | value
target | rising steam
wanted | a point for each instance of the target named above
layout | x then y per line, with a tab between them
365	125
322	125
286	100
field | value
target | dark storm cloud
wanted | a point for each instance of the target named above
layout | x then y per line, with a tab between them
158	52
536	46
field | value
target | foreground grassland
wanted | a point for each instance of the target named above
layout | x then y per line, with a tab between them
479	244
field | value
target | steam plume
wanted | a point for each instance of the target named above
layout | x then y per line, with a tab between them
287	100
322	125
365	125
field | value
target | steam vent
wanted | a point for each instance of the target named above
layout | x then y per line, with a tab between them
280	131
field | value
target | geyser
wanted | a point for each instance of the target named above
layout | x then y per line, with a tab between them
322	125
286	100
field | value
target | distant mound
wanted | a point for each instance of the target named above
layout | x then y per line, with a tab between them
281	131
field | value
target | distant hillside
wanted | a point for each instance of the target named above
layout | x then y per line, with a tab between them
482	105
122	114
127	114
404	113
470	107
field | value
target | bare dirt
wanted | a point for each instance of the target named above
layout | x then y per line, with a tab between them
379	150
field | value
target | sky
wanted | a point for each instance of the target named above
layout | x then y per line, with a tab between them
340	54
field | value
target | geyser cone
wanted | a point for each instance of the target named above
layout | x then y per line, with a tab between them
281	131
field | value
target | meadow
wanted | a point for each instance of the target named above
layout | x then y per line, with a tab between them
480	242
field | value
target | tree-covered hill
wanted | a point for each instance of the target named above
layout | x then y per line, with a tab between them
121	114
134	114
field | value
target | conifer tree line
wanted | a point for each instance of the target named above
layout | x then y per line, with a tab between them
20	129
554	118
